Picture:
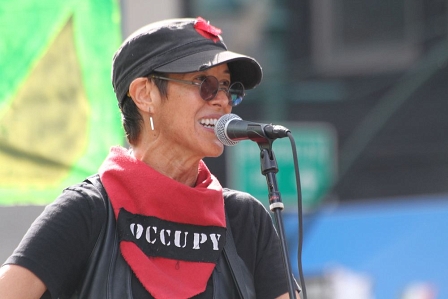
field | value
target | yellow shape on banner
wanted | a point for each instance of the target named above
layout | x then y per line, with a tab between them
56	97
44	130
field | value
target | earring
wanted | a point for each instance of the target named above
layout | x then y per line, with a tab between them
152	123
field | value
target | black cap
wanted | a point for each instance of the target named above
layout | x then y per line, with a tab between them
178	46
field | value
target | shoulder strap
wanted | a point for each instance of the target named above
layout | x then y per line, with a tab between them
95	181
107	275
241	276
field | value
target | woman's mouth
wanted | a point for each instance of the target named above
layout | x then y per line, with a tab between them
208	122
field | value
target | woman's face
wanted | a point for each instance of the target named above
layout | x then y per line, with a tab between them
183	118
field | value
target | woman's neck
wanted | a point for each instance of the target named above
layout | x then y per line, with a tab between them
170	163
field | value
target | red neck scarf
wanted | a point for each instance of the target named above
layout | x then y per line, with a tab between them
170	234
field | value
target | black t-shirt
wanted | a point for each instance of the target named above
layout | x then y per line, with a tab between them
59	242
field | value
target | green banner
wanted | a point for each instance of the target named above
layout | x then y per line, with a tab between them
58	112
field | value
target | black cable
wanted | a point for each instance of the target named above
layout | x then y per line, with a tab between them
300	213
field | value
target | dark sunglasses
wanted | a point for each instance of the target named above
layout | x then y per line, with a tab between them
209	87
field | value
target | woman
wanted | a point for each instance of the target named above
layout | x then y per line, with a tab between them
155	223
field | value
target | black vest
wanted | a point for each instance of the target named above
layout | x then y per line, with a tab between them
108	275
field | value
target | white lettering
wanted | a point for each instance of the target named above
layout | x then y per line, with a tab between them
197	242
215	239
177	238
148	234
162	236
139	232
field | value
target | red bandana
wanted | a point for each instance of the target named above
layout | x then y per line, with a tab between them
171	235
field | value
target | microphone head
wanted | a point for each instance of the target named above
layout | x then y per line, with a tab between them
221	128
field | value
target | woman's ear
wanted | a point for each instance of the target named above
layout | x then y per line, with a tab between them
140	92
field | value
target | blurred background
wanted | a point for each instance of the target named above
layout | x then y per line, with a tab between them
361	84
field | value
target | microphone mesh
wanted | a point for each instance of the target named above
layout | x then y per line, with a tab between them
221	126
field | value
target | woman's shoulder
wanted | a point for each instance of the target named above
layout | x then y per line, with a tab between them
239	199
90	188
86	195
59	242
242	207
81	204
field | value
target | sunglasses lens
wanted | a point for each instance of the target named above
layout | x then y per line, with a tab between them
236	92
209	88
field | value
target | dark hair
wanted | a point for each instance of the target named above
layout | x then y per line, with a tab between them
130	117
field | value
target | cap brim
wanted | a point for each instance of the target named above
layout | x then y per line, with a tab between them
242	68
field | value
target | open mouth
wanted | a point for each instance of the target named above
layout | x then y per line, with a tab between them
208	122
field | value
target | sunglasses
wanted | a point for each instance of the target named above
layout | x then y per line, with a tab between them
209	87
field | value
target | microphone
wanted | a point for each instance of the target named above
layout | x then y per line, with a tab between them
230	129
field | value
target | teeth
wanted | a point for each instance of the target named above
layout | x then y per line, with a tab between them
208	122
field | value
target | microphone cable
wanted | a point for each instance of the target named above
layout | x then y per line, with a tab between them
300	213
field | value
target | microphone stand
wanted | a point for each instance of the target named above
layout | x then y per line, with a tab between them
269	169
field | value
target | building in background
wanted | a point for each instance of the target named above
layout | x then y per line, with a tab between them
376	71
